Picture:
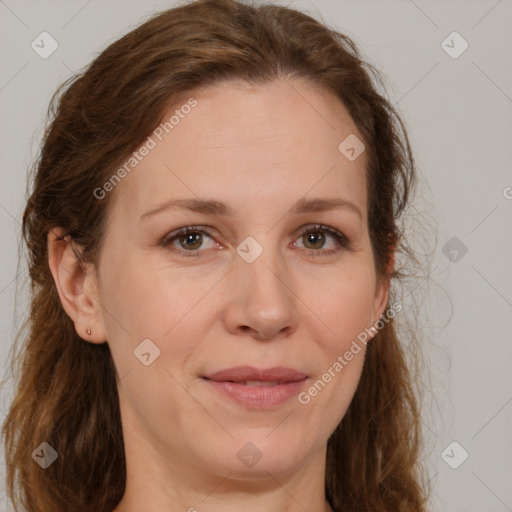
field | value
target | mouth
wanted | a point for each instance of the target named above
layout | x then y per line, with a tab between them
257	388
252	383
255	376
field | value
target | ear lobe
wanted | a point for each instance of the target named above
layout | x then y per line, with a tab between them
382	292
76	285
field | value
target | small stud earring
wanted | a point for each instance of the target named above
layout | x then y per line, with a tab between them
88	331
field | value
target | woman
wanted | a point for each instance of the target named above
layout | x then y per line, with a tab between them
212	231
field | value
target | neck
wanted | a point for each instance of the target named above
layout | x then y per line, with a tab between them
155	485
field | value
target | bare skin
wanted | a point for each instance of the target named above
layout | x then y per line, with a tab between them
299	304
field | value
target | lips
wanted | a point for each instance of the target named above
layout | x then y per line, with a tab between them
257	389
255	377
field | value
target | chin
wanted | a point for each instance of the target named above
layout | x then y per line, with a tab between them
254	453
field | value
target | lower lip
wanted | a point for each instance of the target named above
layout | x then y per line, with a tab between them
258	397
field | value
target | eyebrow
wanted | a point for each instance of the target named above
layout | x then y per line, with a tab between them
212	207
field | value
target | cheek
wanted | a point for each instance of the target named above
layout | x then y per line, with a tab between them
138	304
344	304
345	307
131	306
139	300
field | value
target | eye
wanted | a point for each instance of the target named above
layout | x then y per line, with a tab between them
315	237
188	240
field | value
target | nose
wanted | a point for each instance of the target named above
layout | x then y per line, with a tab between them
263	303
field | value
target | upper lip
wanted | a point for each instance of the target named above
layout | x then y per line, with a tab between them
249	373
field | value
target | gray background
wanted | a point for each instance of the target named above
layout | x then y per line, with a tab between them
458	113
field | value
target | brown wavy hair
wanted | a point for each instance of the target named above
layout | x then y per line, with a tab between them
66	390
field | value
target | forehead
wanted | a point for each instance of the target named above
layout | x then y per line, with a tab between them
241	143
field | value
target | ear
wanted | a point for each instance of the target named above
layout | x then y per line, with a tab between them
381	298
382	288
76	284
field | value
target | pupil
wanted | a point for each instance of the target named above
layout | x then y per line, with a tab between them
313	236
189	238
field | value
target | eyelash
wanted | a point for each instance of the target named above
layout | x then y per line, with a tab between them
341	239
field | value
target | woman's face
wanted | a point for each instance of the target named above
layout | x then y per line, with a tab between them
246	287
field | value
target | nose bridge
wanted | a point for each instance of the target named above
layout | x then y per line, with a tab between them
264	270
266	274
264	301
